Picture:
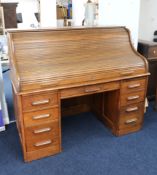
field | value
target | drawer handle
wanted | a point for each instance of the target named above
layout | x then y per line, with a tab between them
132	109
131	121
92	90
133	97
154	51
41	102
127	73
41	116
47	142
42	130
134	86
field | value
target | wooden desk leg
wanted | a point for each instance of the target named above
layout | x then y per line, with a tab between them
155	107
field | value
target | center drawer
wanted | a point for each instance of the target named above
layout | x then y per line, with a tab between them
89	89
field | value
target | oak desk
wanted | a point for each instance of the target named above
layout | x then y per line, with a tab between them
57	72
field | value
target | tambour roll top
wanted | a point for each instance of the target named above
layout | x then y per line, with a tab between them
52	58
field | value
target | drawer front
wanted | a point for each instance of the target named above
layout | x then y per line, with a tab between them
44	143
42	132
152	52
91	89
133	85
41	116
131	116
39	101
136	97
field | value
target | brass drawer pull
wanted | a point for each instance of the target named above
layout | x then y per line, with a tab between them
131	121
132	109
40	116
92	90
41	102
133	97
127	73
154	51
134	86
43	143
42	130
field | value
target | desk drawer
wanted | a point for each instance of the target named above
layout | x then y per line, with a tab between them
134	85
152	52
39	101
44	143
44	133
41	116
136	97
90	89
131	116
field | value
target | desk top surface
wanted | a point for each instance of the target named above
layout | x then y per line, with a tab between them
59	58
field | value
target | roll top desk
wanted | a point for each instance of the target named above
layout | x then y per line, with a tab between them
60	72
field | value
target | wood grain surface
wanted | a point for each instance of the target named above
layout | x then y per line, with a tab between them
56	57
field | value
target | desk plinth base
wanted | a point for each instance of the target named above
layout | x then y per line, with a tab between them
126	131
